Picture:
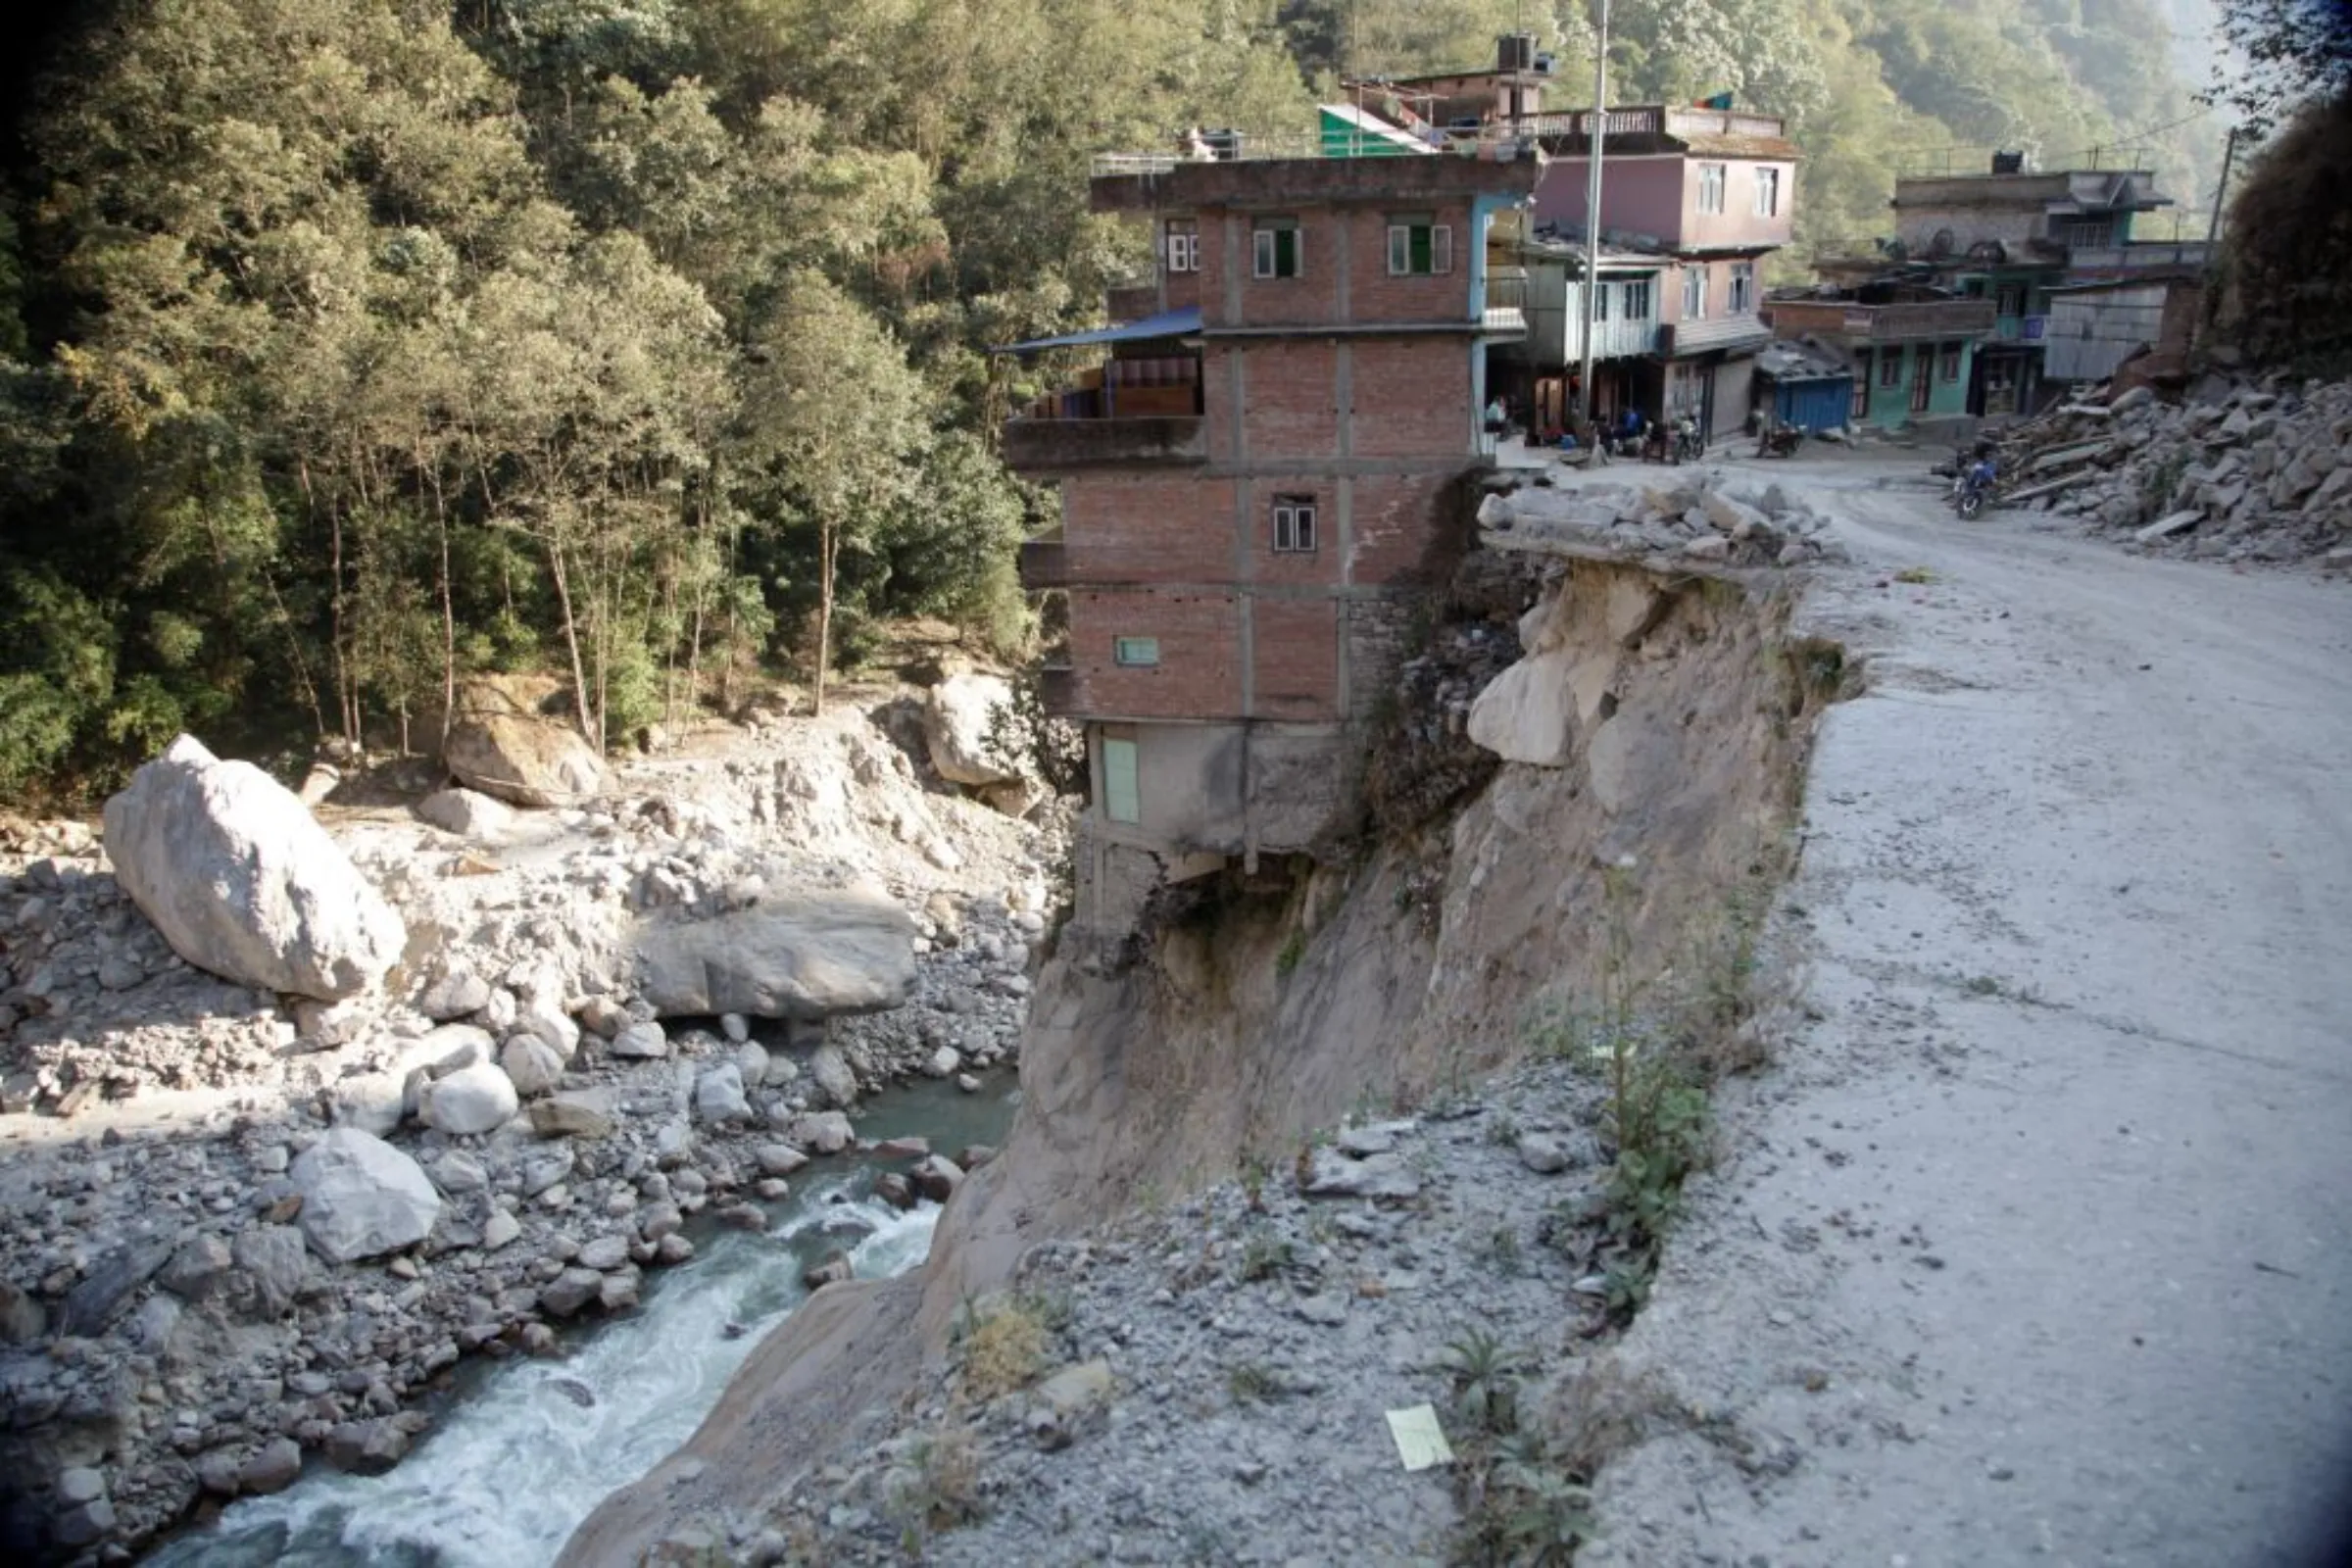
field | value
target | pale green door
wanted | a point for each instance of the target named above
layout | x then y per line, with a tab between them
1120	802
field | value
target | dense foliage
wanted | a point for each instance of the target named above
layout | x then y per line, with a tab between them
347	346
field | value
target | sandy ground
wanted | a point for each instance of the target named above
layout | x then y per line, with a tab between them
2035	1244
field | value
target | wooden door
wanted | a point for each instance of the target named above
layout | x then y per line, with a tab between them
1922	375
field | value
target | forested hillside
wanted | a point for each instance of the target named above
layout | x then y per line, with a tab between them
347	346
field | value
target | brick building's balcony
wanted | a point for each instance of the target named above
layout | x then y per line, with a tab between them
1855	322
1035	445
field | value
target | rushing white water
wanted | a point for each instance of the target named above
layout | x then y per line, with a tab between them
505	1476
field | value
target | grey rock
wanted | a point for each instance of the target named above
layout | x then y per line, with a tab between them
718	1096
467	814
103	1294
640	1041
241	881
956	717
457	1171
361	1197
22	1318
571	1291
561	1116
800	957
1544	1154
604	1254
832	1073
523	760
826	1131
274	1263
455	994
750	1059
935	1177
80	1483
779	1160
499	1229
735	1026
274	1469
469	1102
84	1524
198	1269
944	1062
1332	1174
367	1447
532	1065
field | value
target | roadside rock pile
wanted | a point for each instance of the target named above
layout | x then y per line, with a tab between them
2244	471
1167	1389
1692	521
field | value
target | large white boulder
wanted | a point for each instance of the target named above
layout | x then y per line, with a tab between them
361	1197
243	882
475	1098
797	957
522	759
955	722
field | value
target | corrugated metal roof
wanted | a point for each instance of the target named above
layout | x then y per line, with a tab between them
1168	323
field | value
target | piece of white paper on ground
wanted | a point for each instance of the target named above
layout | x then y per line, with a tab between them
1420	1441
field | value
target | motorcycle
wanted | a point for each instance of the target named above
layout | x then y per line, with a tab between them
1972	485
1689	442
1780	441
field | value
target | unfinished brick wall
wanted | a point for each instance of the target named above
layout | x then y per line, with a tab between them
1199	669
1146	528
1297	660
1412	398
1398	519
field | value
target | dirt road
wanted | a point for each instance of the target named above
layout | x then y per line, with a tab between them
2036	1244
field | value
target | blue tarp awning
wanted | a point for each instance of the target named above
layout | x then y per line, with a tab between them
1168	323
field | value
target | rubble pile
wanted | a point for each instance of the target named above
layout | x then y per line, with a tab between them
2238	472
1694	520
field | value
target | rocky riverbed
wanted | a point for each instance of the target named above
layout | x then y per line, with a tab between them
250	1228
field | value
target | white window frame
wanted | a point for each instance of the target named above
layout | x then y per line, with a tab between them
1948	360
1183	248
1636	304
1744	288
1293	525
1135	653
1694	293
1713	178
1768	193
1400	248
1265	251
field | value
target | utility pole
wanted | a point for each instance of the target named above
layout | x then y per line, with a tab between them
2213	231
1600	119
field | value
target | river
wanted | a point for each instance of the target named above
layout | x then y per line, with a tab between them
518	1458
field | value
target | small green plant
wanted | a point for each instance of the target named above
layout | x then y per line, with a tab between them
1502	1251
1254	1182
1263	1256
1253	1383
1485	1395
1520	1506
1002	1342
937	1488
1503	1130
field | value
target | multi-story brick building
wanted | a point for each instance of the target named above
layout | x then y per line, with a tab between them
1257	489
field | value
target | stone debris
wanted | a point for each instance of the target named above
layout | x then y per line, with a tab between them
1685	518
287	1216
1190	1374
2237	471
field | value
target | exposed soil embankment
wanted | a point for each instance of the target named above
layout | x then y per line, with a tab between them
1669	714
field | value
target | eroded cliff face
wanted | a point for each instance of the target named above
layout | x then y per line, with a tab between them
1659	724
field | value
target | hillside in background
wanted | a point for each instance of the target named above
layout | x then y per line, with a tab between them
347	348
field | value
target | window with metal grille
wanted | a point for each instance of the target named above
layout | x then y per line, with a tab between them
1184	245
1275	250
1890	366
1293	524
1637	301
1419	248
1950	368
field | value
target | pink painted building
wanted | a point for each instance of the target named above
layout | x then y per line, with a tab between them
1711	193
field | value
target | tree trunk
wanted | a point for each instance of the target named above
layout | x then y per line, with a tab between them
571	641
824	610
449	616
